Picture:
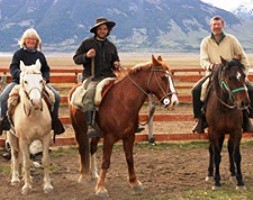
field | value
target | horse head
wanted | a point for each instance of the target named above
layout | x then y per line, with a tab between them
230	84
32	84
160	83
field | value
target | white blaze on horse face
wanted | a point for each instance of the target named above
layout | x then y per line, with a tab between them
174	98
238	76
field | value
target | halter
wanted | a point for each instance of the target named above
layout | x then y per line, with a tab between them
31	103
153	101
223	84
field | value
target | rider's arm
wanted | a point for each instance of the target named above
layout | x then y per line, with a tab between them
204	57
80	55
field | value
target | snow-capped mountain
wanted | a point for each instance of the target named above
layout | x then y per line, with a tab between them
141	25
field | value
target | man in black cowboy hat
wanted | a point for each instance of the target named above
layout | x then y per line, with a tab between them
100	54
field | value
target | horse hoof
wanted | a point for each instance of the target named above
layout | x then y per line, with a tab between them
240	188
36	164
138	188
232	179
15	182
48	189
25	190
102	192
83	180
208	178
215	188
151	141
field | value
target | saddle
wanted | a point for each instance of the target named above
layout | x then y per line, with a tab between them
101	89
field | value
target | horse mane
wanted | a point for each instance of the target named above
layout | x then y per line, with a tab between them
121	74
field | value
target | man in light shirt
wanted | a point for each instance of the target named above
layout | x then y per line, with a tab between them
212	47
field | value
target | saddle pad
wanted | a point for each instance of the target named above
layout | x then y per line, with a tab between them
98	95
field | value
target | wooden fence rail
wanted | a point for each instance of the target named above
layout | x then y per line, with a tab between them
184	79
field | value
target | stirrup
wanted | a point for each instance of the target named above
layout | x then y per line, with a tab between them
94	131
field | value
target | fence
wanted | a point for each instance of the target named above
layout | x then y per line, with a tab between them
65	77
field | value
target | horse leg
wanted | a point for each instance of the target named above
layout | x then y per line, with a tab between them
128	144
45	161
231	158
210	167
107	151
217	159
237	157
93	149
24	148
14	158
151	138
84	151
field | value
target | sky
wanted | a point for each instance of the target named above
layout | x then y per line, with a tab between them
228	5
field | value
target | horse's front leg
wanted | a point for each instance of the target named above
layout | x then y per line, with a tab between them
237	158
93	150
24	148
45	161
107	151
217	159
83	148
15	158
231	157
128	148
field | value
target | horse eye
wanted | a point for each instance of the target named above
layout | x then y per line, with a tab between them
164	77
25	82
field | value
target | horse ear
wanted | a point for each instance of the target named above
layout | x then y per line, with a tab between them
154	61
223	61
37	66
238	57
22	66
159	58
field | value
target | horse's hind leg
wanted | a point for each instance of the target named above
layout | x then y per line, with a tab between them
128	148
45	161
211	164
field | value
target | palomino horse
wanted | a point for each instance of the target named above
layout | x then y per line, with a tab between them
224	113
118	117
32	121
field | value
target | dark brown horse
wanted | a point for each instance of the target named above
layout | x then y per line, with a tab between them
118	117
224	113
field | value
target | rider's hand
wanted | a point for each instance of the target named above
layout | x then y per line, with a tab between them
116	64
91	53
213	67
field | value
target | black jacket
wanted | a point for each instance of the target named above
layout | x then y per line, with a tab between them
106	55
29	58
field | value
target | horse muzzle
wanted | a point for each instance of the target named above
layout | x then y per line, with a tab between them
170	103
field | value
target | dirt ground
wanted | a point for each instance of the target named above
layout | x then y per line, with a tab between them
168	171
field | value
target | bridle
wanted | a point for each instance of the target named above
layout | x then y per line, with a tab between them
231	93
31	103
154	101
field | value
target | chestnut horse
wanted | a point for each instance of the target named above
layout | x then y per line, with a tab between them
224	113
118	117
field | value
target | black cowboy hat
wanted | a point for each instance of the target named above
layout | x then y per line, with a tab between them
101	21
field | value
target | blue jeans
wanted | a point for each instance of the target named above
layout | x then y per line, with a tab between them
5	95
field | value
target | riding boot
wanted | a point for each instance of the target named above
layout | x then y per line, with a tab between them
247	124
4	124
57	125
200	125
93	128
